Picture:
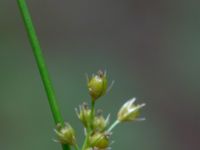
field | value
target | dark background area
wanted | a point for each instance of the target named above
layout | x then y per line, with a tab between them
149	47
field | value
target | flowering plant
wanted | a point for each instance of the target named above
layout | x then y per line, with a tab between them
96	127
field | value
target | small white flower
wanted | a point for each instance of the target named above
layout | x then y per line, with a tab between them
129	111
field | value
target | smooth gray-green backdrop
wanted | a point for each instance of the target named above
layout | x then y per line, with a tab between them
151	48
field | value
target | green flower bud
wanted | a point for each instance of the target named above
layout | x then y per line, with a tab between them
97	85
66	134
99	140
129	111
100	122
84	114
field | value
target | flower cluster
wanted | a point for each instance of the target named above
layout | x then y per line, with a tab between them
96	126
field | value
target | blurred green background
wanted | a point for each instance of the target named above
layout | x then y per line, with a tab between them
149	47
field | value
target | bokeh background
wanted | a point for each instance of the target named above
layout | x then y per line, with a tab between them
149	47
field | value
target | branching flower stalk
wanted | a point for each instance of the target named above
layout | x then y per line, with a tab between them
96	128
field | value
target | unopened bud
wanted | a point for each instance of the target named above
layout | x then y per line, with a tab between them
66	134
97	85
84	114
99	140
100	122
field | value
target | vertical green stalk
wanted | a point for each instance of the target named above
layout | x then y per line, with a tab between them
41	64
90	128
92	113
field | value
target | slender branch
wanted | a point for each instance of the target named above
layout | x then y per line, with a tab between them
85	143
92	114
41	64
90	128
113	126
76	147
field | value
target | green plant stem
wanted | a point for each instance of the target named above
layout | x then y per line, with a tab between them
40	61
92	114
76	147
85	144
90	129
113	126
41	64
